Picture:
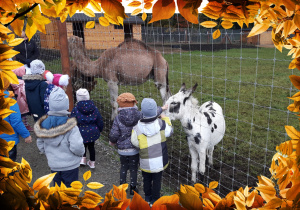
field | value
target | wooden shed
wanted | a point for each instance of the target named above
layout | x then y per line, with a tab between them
260	40
99	37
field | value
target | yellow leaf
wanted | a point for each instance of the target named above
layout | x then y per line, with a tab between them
216	34
144	16
136	11
88	12
88	203
92	195
5	127
293	192
286	28
96	6
103	21
227	24
94	185
296	20
111	20
208	203
4	29
267	190
134	4
30	30
90	24
5	113
87	175
290	5
258	29
8	54
214	197
163	10
120	20
148	6
76	185
43	181
70	199
10	65
273	204
190	200
213	185
250	199
240	195
240	205
294	79
208	24
15	42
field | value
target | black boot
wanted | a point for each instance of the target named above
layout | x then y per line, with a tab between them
133	189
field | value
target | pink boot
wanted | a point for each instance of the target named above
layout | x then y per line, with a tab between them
83	161
91	164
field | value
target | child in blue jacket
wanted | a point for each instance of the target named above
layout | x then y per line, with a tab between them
89	122
15	120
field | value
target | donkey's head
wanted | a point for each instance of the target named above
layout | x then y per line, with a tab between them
177	102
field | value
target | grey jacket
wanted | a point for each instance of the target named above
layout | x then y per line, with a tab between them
63	145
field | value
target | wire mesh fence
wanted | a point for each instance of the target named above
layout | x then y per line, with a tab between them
250	83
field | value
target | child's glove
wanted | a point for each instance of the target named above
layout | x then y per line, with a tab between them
111	144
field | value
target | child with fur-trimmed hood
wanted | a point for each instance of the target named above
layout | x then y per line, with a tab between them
59	138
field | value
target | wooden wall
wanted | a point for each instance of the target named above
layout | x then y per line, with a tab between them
99	37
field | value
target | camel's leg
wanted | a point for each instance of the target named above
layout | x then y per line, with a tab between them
113	91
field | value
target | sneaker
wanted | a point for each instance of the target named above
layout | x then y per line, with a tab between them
91	164
83	161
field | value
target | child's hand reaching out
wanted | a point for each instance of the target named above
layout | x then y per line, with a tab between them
165	107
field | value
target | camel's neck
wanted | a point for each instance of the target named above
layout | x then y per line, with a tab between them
84	64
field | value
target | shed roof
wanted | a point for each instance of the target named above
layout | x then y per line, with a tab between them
83	18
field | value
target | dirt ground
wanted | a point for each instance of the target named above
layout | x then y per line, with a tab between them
106	171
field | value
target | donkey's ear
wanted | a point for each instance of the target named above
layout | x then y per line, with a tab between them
194	87
182	87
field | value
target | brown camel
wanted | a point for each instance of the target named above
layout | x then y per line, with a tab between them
130	63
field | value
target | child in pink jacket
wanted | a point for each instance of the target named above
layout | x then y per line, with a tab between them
19	91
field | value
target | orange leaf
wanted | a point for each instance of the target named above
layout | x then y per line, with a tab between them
200	188
213	185
267	190
227	24
163	10
296	20
214	197
293	192
144	16
187	13
87	175
173	199
273	204
103	21
258	29
290	5
215	6
216	34
208	24
292	132
138	203
250	199
5	127
136	11
148	6
113	8
208	203
240	205
134	4
295	81
298	149
43	181
234	10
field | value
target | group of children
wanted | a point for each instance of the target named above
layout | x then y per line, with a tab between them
64	137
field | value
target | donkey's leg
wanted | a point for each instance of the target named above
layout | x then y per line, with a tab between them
210	152
194	157
161	69
113	91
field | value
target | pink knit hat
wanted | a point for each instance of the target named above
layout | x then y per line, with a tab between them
61	80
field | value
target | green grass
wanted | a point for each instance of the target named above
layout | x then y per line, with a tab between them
253	94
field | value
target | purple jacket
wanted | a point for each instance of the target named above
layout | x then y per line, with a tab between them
123	124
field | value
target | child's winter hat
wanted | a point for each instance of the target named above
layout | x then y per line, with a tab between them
58	100
82	94
149	108
37	67
48	76
126	100
61	80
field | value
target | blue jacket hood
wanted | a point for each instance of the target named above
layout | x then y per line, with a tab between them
129	116
86	107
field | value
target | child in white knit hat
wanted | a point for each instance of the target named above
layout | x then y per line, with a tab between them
90	123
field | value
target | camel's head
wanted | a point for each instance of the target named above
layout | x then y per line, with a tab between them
177	103
75	42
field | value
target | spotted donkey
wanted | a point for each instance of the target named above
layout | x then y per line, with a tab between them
204	125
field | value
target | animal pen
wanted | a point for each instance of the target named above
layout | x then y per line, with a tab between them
248	81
